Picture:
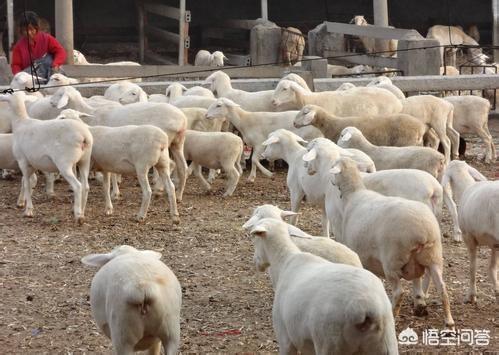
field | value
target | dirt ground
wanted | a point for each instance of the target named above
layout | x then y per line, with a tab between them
44	288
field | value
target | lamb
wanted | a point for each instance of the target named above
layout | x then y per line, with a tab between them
345	86
57	80
192	101
384	82
131	150
283	144
422	158
255	127
324	247
71	146
165	116
125	92
437	114
340	70
297	79
215	150
250	101
319	306
175	90
292	45
393	130
375	102
369	42
23	80
207	59
136	300
478	218
381	247
471	115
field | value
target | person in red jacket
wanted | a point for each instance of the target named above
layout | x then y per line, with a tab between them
46	52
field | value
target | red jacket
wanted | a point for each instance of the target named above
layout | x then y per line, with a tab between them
44	43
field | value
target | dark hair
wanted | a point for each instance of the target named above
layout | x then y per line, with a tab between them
29	18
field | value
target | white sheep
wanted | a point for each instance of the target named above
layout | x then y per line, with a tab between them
205	58
369	42
393	130
297	79
136	300
70	146
56	80
345	86
256	126
322	307
375	101
478	218
324	247
471	115
384	157
258	101
116	91
131	150
192	101
340	70
437	114
283	144
385	82
371	225
215	150
175	90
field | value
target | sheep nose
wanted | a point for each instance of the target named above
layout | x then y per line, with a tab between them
275	102
296	125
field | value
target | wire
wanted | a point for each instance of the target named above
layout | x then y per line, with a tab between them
32	65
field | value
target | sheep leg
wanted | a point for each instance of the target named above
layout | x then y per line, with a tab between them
432	140
438	280
472	249
454	139
26	190
190	169
232	179
121	345
255	160
419	298
177	152
164	173
493	271
492	145
426	282
116	188
199	174
49	183
444	140
171	344
451	206
108	210
146	193
32	181
155	349
398	293
84	169
296	196
489	145
212	175
67	173
325	223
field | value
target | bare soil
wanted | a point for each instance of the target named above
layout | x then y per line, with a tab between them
44	288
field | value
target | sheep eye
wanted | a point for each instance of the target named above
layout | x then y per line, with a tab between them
219	105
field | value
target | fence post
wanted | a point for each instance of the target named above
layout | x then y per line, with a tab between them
422	61
142	35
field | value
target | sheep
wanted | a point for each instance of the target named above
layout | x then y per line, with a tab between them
255	127
70	146
283	144
324	247
369	42
371	226
319	306
23	80
422	158
131	150
250	101
340	70
292	45
175	90
205	58
8	162
116	91
385	83
471	115
215	150
437	114
478	219
297	79
57	80
135	300
192	101
345	86
374	101
394	130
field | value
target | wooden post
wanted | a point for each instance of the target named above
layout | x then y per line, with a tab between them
495	30
10	24
265	9
142	35
64	26
380	12
181	32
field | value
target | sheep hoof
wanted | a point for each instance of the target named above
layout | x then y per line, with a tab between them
20	205
140	219
109	212
116	196
458	238
251	179
80	220
176	219
420	310
28	213
471	299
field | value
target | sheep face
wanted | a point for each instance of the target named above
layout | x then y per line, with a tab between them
174	90
215	78
61	98
220	108
273	149
283	93
217	59
22	80
304	117
129	97
311	161
348	136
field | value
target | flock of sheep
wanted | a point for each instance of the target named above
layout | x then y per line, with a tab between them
363	155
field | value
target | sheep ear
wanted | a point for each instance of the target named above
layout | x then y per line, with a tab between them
259	231
346	137
302	141
83	114
250	223
271	140
183	87
230	103
309	117
311	155
151	253
225	57
97	259
285	214
475	174
63	101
